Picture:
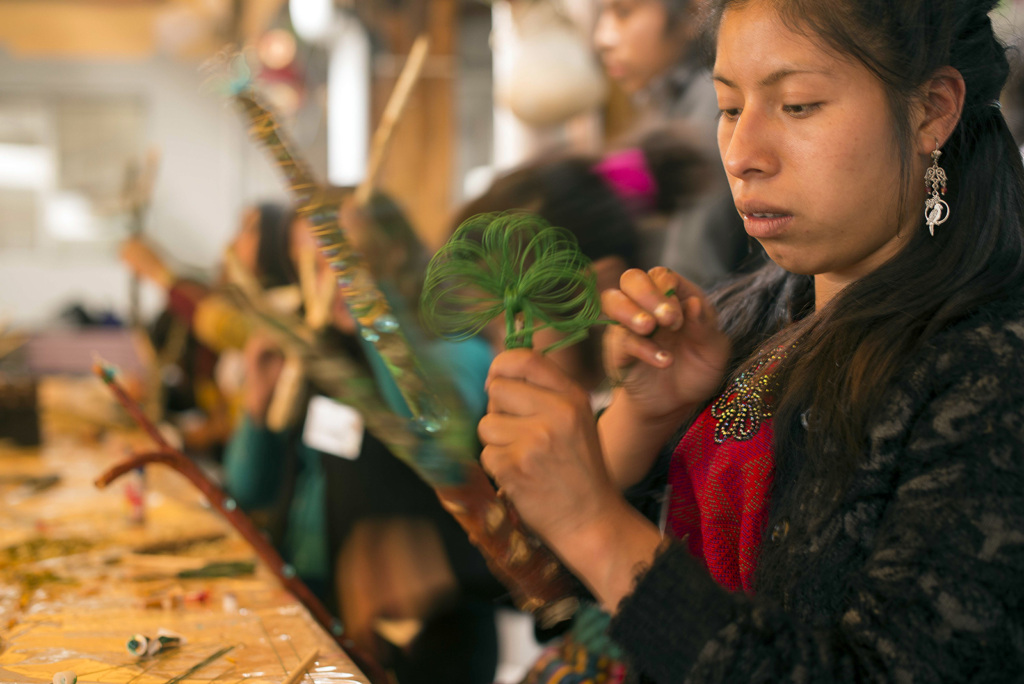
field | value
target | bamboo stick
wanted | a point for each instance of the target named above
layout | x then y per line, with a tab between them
302	668
228	508
392	115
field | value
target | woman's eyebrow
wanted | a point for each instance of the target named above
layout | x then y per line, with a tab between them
774	77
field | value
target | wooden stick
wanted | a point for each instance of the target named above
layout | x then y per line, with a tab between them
228	507
106	373
138	192
392	115
302	667
253	296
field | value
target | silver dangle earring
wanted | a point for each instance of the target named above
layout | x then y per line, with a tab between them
936	211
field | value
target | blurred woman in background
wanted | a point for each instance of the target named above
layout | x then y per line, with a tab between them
650	49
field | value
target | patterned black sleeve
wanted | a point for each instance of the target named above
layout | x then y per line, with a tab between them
939	594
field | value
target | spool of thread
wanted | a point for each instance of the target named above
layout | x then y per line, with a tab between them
230	603
141	645
65	677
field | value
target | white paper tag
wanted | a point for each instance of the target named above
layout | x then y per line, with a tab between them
333	428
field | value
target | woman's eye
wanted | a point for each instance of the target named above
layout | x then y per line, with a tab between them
729	114
621	9
801	110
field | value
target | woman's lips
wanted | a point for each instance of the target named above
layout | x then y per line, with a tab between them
765	224
616	73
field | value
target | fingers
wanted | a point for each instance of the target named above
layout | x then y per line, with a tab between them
645	350
648	300
619	307
701	318
512	468
516	397
648	305
495	460
655	293
520	398
497	430
659	298
531	367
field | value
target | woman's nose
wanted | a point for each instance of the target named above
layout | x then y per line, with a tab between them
745	147
606	33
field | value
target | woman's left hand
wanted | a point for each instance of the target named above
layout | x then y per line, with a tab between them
541	446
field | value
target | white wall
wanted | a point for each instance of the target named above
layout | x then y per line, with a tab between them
208	172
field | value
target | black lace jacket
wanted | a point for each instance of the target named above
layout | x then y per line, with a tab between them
918	576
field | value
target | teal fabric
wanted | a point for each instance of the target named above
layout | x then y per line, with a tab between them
254	459
466	363
254	475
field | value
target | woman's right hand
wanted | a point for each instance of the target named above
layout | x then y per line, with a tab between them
668	355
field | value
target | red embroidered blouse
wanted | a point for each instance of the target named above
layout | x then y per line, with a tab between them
721	476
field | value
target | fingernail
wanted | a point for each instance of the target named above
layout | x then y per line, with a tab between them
642	319
667	316
663	357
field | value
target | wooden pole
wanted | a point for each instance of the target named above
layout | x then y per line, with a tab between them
392	115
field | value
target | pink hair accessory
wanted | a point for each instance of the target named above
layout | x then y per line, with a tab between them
629	177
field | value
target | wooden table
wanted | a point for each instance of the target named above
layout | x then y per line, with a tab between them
78	578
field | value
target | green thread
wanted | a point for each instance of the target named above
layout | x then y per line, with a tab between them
514	264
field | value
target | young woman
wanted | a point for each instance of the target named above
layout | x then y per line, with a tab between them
642	42
847	496
262	246
650	49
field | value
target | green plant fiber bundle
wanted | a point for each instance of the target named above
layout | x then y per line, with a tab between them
514	264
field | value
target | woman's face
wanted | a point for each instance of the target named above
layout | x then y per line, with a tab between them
246	244
807	141
635	41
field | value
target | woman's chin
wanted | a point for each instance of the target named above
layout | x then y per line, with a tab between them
793	263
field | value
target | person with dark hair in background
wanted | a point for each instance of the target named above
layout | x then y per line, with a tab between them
650	49
846	424
361	529
603	202
262	245
189	342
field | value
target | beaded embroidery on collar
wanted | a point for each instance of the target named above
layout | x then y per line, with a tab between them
747	402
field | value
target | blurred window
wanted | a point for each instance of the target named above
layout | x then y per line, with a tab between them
64	161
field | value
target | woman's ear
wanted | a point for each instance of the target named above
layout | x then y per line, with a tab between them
942	105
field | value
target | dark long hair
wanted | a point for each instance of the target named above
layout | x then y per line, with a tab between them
273	258
392	228
854	348
567	191
675	11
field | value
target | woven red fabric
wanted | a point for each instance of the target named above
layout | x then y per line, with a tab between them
719	499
